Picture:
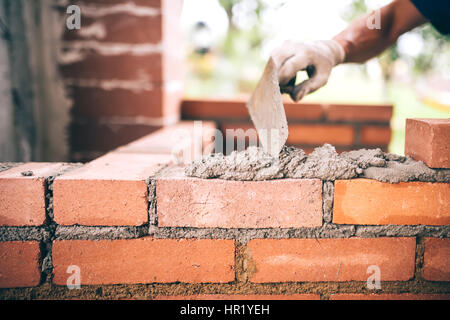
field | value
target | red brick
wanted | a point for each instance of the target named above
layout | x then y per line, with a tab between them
237	110
164	140
109	191
145	260
22	198
389	296
374	136
202	203
124	67
428	140
364	201
437	259
242	297
320	134
147	3
359	113
303	111
19	264
301	134
157	104
285	260
119	28
103	137
212	109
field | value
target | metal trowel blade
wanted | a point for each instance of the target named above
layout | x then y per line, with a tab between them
267	111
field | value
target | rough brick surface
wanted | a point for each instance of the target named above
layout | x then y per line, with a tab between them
364	201
283	260
428	140
22	198
111	190
437	259
191	202
145	260
19	264
242	297
387	296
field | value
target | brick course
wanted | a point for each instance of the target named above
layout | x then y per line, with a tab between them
145	260
406	203
238	204
286	260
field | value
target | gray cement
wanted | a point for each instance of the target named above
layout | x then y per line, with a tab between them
323	163
97	233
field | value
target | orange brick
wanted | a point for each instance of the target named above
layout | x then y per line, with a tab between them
242	297
303	111
22	198
437	259
19	264
320	134
145	260
364	201
428	140
374	136
211	109
237	110
359	113
388	296
284	260
202	203
109	191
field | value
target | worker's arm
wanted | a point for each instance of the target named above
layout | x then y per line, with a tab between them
357	43
361	43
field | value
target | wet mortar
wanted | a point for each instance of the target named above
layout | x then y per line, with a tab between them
324	163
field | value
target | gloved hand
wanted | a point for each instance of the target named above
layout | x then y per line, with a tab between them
316	57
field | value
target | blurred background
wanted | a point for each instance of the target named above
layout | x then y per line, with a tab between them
229	35
135	66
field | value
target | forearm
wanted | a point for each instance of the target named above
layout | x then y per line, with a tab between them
361	43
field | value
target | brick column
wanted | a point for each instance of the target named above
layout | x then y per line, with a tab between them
123	70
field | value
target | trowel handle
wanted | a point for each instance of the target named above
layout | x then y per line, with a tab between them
289	87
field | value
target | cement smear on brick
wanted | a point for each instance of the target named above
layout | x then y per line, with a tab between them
323	163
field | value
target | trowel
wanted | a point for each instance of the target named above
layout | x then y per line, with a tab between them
267	111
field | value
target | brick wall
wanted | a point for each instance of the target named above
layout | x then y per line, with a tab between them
347	127
136	227
123	71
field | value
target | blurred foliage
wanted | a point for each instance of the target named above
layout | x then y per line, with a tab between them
433	54
239	50
214	72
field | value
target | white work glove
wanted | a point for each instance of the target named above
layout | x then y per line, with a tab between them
316	57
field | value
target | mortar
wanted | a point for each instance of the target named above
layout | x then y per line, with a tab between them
323	163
